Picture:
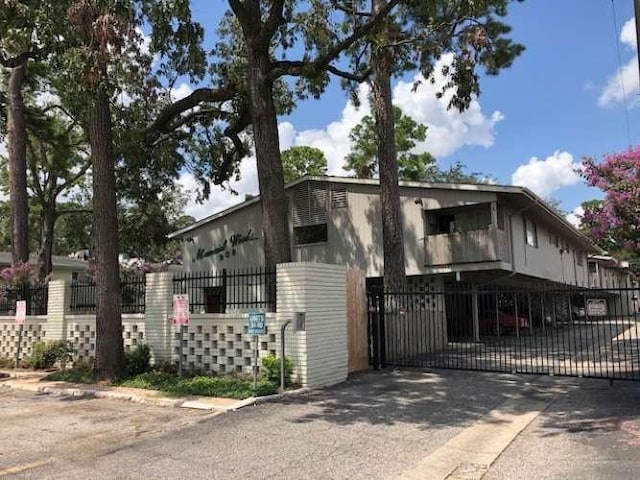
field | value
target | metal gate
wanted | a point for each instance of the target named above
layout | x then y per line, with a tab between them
570	332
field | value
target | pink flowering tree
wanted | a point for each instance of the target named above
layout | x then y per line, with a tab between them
15	279
614	222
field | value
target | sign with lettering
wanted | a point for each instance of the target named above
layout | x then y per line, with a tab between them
21	312
181	309
257	324
596	307
227	248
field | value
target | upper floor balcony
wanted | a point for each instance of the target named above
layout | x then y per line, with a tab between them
488	245
468	234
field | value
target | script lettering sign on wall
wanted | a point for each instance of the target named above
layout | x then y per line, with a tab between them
227	248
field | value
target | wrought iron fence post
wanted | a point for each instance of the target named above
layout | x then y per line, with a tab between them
224	290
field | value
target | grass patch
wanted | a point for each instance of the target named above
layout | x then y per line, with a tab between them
223	386
71	376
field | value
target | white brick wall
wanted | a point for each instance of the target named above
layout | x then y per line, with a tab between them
220	343
214	342
318	290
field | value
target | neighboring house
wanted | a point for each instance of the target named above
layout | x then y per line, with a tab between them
64	268
453	233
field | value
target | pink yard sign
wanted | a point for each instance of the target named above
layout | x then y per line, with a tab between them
21	312
181	309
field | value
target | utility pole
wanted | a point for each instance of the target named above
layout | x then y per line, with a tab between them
636	6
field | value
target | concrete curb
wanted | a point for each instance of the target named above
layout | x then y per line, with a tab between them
274	398
11	380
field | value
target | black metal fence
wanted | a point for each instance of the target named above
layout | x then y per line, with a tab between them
83	296
571	332
36	298
228	290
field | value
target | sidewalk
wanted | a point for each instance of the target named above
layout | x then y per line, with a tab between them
33	382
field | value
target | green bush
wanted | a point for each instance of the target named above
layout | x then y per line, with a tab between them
221	386
7	362
271	365
46	354
137	360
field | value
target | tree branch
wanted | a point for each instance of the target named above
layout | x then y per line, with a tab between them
298	68
198	96
274	21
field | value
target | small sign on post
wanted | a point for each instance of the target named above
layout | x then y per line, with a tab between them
21	312
21	318
181	319
257	326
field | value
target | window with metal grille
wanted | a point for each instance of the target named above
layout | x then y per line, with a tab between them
338	197
309	204
310	234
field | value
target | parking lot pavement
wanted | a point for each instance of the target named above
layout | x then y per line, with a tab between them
38	430
592	432
377	425
374	426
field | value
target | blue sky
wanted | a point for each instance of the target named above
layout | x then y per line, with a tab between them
560	101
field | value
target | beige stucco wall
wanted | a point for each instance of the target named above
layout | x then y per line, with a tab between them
355	237
546	260
213	236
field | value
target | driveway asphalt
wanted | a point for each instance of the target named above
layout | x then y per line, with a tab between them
378	425
592	432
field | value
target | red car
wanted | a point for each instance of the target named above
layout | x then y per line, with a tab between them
506	323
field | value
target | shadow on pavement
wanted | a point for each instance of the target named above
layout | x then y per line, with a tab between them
429	399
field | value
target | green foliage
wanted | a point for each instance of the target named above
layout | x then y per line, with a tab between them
45	355
299	161
7	362
418	167
271	364
223	386
137	360
74	375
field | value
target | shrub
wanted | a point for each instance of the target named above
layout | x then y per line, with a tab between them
46	355
137	360
271	364
7	362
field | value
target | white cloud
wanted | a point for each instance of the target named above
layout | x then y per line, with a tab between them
448	131
220	198
548	175
575	217
183	90
624	84
628	33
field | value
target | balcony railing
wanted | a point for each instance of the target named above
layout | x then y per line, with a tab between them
488	245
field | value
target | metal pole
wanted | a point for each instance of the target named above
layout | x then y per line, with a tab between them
636	7
282	364
180	333
19	345
255	364
476	315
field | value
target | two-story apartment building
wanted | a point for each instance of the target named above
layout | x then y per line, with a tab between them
452	232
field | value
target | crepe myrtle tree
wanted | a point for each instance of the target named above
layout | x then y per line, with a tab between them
613	221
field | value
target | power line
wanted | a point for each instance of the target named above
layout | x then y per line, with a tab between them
624	92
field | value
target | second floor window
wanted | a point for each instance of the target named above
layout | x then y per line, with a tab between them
531	233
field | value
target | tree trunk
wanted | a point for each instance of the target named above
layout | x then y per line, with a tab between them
392	224
277	248
17	146
47	223
109	345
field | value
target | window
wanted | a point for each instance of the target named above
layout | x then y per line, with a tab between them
531	233
214	300
310	234
338	197
579	259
